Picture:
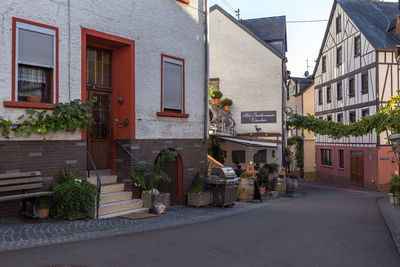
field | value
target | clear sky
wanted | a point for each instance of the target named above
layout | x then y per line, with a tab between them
304	39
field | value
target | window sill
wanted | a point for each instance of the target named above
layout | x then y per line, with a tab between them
364	92
326	166
341	169
171	114
14	104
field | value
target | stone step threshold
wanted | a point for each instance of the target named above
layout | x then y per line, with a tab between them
117	214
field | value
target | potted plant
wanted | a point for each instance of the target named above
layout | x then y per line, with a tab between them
262	180
394	187
226	103
74	197
216	95
196	196
42	209
148	176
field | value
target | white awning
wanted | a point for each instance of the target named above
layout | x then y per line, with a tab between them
249	142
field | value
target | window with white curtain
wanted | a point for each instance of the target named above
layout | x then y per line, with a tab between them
35	63
172	85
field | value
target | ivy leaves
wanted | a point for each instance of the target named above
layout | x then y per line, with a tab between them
66	116
387	118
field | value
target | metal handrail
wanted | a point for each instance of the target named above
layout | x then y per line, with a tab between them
98	184
146	168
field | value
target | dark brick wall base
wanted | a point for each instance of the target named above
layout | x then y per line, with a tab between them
192	151
48	157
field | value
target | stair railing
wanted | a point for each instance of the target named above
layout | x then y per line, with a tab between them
146	168
98	184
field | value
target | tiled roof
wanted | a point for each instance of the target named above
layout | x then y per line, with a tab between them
269	29
373	18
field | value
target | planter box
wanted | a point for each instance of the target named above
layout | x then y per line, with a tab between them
160	198
199	199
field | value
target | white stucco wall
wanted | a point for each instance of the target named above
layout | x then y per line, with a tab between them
159	26
249	73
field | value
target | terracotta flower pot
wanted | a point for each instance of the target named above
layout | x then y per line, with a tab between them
42	213
35	99
262	191
227	108
216	101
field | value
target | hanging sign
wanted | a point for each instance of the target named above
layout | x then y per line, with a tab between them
248	117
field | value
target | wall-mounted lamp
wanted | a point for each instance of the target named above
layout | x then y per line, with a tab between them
121	100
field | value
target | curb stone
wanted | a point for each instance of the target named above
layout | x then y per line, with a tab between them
391	215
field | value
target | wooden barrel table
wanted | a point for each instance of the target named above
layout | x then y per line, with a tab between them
246	189
280	186
291	185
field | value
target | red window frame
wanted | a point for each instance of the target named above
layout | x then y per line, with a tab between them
187	2
171	114
16	104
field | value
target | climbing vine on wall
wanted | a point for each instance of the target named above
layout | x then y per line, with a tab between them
387	118
66	116
298	142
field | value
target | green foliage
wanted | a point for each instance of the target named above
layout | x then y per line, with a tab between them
387	118
226	102
293	176
44	203
394	185
74	198
197	184
262	173
140	176
271	167
244	175
67	174
216	94
298	142
66	116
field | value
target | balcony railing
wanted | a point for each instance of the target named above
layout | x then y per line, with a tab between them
221	122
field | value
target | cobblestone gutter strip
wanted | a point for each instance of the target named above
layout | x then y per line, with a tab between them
391	214
23	235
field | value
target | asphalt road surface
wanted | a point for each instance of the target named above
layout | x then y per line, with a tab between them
327	227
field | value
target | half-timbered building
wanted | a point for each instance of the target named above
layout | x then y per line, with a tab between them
356	73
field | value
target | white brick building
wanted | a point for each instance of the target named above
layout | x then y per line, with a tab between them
247	59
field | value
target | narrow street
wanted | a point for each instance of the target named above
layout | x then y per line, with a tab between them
329	226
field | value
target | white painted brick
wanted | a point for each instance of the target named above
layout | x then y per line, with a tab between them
159	26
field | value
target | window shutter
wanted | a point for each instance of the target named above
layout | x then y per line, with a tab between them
173	86
35	48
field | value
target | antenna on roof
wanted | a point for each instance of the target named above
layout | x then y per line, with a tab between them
238	13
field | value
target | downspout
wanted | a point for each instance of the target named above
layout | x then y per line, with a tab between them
283	111
206	70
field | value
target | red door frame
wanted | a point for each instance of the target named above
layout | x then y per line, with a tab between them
123	82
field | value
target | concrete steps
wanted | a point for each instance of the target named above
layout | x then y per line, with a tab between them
115	207
117	214
114	201
112	188
115	197
105	179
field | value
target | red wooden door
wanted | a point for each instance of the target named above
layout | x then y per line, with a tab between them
357	168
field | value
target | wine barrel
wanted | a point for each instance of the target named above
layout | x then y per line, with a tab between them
280	186
291	185
246	189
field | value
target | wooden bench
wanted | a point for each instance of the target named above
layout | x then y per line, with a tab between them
11	184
